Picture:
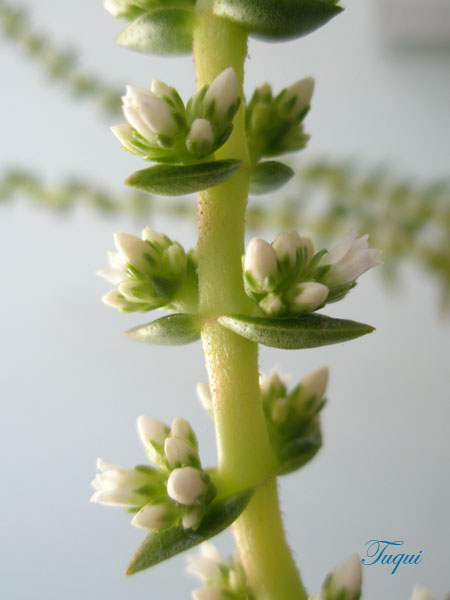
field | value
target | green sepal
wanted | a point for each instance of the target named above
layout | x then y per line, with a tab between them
278	19
178	180
160	31
294	333
160	546
173	330
268	176
295	453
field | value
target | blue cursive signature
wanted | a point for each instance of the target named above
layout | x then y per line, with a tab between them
377	552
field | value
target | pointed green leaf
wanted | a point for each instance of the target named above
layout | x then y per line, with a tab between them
269	176
177	180
295	453
173	330
304	331
163	545
278	19
160	31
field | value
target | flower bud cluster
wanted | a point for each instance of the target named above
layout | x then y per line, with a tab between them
421	593
274	124
152	272
287	277
294	414
345	581
130	9
160	128
178	491
222	579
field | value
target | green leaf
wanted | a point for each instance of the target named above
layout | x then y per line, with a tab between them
293	333
160	31
269	176
173	330
278	19
159	546
177	180
295	453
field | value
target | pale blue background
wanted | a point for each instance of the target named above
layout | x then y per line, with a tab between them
72	385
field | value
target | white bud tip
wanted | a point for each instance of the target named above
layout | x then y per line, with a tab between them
151	517
260	260
223	90
186	486
177	451
347	575
421	593
315	382
181	429
204	395
311	296
208	592
152	430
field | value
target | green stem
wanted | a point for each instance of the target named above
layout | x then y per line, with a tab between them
245	455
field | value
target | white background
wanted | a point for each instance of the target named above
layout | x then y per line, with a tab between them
72	385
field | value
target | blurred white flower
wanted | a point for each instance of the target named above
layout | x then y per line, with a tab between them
349	259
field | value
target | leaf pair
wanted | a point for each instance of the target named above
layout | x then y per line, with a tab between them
304	331
169	29
177	180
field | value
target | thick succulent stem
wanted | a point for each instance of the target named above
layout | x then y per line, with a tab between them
245	455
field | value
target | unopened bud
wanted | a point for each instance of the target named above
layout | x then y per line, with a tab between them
154	517
200	138
308	296
260	263
186	486
223	92
134	251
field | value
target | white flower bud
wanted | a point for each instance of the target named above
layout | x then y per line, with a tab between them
309	296
315	383
114	7
118	497
349	259
280	410
149	235
200	138
133	250
208	593
152	430
285	246
116	272
186	486
192	518
307	245
206	564
222	91
302	91
204	394
174	259
272	305
201	132
273	383
182	430
153	517
421	593
347	576
115	300
261	263
124	133
161	89
148	114
113	477
178	452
